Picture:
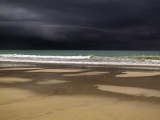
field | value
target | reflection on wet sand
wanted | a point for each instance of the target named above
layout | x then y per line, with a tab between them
13	79
130	90
138	74
49	82
11	68
56	70
86	73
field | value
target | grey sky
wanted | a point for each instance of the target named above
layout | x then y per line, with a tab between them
98	24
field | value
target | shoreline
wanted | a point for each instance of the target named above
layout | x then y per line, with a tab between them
14	64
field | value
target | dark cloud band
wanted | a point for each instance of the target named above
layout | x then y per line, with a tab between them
98	24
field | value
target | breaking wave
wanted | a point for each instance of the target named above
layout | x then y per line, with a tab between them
90	59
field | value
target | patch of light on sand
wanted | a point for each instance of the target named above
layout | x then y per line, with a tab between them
137	74
49	82
13	79
130	90
86	73
15	68
56	70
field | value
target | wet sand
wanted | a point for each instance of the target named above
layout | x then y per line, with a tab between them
79	93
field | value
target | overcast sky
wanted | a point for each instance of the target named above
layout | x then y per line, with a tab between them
80	24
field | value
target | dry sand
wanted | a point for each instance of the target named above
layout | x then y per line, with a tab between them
59	96
20	104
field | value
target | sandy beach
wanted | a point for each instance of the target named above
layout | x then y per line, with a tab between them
79	93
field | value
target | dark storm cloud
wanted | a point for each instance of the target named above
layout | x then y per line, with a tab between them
80	24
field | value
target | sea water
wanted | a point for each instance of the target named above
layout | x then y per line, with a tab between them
96	57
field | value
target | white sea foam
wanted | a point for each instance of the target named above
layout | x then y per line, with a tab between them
39	56
97	60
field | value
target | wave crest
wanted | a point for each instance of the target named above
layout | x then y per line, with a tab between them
90	59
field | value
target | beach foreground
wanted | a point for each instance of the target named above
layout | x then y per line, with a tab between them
79	93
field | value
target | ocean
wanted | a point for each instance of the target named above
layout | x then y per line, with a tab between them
96	57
